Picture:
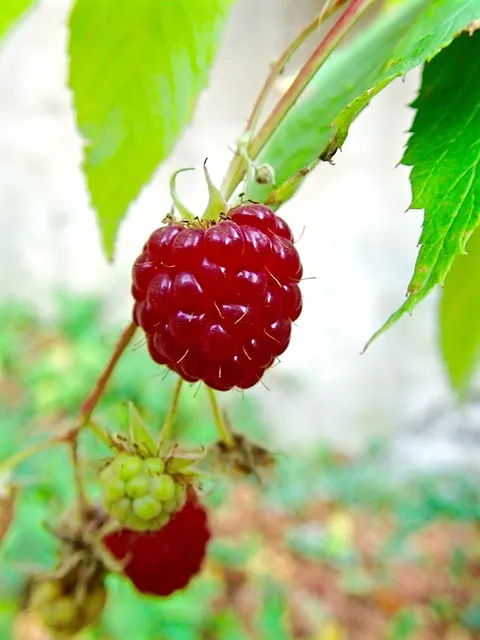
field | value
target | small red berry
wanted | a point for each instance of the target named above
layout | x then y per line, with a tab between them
205	294
161	562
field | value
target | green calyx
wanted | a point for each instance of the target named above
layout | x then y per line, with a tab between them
185	213
216	208
141	493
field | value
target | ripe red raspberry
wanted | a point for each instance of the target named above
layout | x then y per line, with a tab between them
161	562
217	300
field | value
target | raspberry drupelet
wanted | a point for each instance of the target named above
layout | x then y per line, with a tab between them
217	299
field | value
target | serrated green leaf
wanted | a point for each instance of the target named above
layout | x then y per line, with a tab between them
402	38
136	69
444	152
10	12
460	316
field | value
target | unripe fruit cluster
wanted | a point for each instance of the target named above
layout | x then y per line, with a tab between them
64	611
139	493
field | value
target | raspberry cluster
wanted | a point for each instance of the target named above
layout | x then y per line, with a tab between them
161	562
217	300
139	493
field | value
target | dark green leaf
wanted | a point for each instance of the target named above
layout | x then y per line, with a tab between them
444	152
11	11
136	69
460	316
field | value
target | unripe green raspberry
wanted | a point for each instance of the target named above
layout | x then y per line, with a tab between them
163	487
128	467
140	493
137	487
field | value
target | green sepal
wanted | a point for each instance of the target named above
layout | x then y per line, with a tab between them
139	434
217	205
185	213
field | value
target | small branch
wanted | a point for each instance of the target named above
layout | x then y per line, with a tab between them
222	428
280	64
338	31
71	438
276	70
93	399
166	430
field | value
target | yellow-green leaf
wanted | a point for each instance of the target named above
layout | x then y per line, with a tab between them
136	69
11	11
460	316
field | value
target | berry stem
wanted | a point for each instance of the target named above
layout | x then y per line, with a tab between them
236	170
93	399
166	430
10	463
222	428
242	158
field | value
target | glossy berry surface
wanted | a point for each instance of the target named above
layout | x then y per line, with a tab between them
217	301
139	493
164	561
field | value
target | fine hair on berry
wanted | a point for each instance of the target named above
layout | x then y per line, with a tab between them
217	299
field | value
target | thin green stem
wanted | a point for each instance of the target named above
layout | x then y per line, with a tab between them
85	414
82	501
21	456
338	31
222	428
99	432
91	402
166	430
86	411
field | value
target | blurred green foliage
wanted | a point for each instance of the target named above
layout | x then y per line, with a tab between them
46	371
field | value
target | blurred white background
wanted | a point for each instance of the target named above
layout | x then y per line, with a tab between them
359	242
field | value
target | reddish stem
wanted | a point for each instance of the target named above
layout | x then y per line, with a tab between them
93	399
236	171
318	57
